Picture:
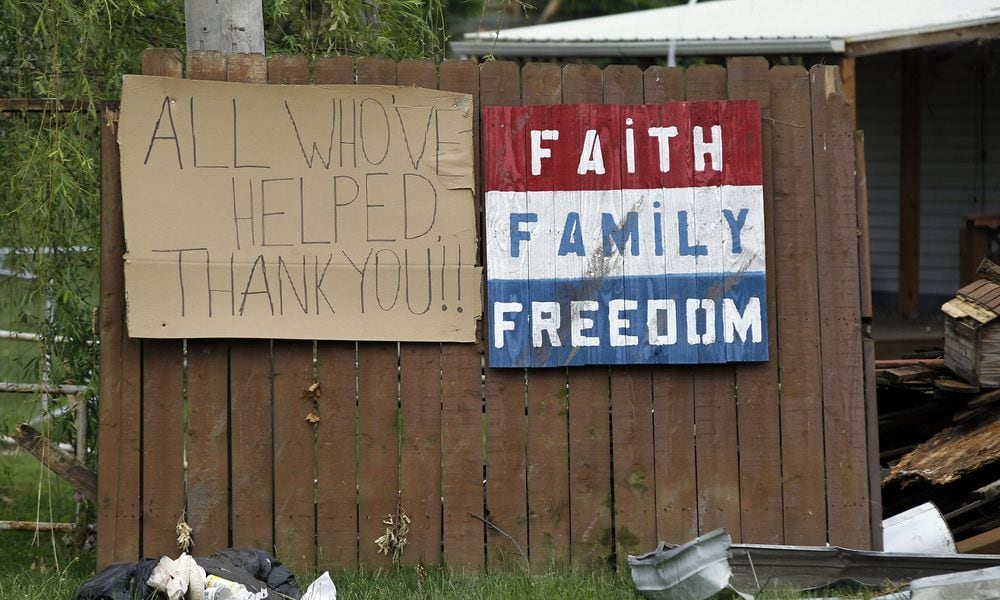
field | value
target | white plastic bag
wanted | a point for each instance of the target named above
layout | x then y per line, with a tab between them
321	589
178	578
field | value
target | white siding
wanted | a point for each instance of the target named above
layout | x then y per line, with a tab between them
950	186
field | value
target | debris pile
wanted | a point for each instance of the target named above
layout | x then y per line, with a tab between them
939	420
940	443
709	564
232	574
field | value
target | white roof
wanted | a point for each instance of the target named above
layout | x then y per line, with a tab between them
736	27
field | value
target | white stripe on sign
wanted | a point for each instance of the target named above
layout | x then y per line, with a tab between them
599	234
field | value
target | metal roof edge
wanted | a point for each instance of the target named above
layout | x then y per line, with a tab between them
938	28
480	47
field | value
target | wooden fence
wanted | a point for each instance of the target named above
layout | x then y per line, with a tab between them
579	464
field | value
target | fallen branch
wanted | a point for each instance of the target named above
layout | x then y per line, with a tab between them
58	461
35	526
493	526
41	388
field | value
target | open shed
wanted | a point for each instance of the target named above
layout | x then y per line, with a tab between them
922	74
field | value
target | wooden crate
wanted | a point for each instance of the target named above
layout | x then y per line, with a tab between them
972	333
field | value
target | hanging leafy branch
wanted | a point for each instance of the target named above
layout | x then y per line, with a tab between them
78	50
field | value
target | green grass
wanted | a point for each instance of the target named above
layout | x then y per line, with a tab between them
407	583
28	493
30	585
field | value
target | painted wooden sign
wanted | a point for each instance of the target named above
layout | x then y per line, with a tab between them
624	234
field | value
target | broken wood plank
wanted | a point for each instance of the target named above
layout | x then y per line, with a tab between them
908	373
893	363
955	386
985	543
985	399
58	461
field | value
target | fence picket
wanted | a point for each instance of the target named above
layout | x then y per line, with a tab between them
847	495
163	431
714	388
336	456
632	397
336	451
506	427
547	452
294	437
673	393
804	506
120	408
208	447
294	443
758	418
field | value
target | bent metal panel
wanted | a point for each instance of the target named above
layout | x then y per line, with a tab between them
625	234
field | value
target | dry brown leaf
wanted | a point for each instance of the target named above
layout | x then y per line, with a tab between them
184	531
312	418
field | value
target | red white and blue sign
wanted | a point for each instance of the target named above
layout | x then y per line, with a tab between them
625	234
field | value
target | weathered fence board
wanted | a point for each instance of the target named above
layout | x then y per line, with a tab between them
463	451
378	408
462	454
208	443
250	451
336	455
120	412
676	482
589	426
714	387
420	451
578	464
673	393
163	414
208	392
294	446
757	384
799	358
840	314
420	398
162	444
506	424
378	434
547	407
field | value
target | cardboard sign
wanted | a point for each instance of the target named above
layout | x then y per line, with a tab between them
304	212
625	234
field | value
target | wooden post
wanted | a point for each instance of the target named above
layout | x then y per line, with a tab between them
909	183
227	26
847	77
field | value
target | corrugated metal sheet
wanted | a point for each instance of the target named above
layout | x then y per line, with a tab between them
952	182
736	27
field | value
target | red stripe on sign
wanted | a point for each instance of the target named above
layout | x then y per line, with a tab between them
611	146
503	164
743	118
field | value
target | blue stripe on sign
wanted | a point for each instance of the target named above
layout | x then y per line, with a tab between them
708	318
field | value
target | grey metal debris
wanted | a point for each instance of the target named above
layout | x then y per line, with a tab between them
921	529
808	567
693	571
983	584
